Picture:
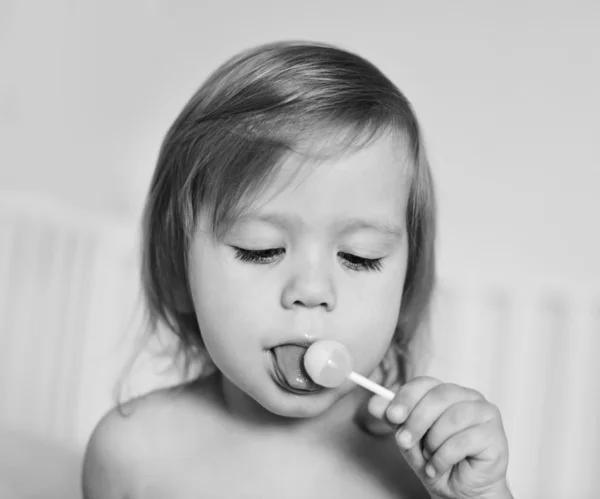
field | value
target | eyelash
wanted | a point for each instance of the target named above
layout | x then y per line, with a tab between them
264	257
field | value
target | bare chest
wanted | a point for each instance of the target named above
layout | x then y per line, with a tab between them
296	472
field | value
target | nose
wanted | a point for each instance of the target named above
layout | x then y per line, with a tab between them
310	286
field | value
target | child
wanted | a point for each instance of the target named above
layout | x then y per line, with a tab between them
293	202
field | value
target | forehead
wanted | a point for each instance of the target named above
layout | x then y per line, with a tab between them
371	181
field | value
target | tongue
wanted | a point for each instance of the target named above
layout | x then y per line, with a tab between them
290	363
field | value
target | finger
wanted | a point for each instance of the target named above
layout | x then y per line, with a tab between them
371	416
427	411
458	417
414	457
377	406
408	397
476	442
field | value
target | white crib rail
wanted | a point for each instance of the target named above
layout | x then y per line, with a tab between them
531	349
64	285
68	284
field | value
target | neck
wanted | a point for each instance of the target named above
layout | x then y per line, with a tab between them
335	423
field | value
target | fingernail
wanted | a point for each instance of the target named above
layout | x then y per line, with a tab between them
377	406
430	470
426	454
404	438
396	414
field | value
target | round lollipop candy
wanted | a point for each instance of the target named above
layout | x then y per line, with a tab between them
329	363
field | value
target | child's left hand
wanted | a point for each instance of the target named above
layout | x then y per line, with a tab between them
451	436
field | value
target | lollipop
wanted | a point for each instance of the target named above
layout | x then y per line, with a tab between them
329	363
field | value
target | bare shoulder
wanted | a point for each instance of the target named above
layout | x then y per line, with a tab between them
129	442
109	459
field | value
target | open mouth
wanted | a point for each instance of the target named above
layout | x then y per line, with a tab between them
288	364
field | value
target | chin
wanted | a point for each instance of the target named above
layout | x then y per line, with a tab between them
291	405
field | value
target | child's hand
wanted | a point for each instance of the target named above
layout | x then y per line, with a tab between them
451	436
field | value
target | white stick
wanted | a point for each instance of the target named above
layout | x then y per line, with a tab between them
370	385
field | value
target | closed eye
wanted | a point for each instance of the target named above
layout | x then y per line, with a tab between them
258	256
354	262
266	256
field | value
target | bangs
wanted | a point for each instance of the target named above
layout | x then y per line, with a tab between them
251	157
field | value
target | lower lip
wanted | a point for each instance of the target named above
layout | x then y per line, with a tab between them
282	382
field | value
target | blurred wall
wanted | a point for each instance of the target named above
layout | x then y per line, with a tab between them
507	94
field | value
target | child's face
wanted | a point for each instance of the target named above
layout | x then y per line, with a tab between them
309	279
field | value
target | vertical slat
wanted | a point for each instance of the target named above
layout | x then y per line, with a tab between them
19	340
500	326
585	451
48	322
592	402
576	421
7	243
71	338
556	330
7	256
81	335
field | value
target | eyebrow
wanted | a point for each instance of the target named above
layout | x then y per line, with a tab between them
347	225
354	224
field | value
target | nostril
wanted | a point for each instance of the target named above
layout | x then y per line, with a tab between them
297	295
299	303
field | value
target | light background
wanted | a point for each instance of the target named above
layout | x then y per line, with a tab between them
507	93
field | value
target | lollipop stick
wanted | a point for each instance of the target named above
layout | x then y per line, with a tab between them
370	385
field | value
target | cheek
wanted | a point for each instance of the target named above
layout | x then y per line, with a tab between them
374	325
229	333
373	318
228	312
